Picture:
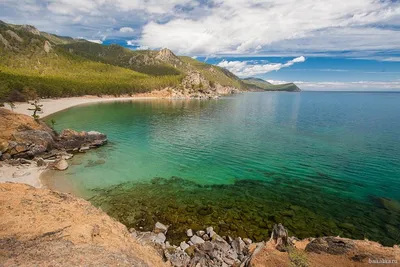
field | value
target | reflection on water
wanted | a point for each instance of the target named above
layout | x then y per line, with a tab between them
322	163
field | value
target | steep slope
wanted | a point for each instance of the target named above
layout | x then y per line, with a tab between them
260	84
215	74
31	62
40	227
48	65
140	61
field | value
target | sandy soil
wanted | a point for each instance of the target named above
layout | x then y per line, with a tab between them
27	174
39	227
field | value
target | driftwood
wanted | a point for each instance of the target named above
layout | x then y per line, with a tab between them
280	237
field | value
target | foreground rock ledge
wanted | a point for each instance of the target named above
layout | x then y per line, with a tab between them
39	227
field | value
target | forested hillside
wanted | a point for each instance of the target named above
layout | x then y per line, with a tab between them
262	85
37	63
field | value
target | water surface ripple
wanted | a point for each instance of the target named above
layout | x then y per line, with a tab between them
321	163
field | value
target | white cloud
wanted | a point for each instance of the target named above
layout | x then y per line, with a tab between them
392	59
131	42
96	41
217	27
142	48
241	26
247	69
126	30
349	86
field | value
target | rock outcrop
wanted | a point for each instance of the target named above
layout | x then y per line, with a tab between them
330	245
74	141
22	137
5	42
14	36
205	248
30	29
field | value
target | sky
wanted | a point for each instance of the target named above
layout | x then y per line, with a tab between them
318	44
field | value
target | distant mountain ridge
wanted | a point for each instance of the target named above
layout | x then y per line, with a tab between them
260	84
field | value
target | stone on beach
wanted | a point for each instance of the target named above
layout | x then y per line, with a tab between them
196	240
160	228
189	233
184	245
160	238
200	233
61	165
40	162
247	241
209	230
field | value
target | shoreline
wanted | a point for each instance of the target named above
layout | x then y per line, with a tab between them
31	174
55	105
51	106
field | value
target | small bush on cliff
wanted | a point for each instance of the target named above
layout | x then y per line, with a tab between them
298	258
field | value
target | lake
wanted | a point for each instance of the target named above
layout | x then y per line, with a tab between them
320	163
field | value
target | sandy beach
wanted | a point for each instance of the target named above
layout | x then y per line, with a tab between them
51	106
26	174
30	174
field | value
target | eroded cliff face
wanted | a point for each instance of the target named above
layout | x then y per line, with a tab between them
39	227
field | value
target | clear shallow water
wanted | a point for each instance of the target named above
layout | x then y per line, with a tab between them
321	163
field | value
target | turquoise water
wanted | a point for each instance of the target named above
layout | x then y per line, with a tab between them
320	162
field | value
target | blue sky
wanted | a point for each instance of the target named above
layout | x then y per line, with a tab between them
320	45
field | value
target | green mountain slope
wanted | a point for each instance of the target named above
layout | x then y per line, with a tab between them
30	61
141	61
262	85
56	66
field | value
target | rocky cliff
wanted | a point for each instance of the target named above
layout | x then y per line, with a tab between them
23	137
40	227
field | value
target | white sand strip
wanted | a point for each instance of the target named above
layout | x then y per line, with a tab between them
31	174
21	174
51	106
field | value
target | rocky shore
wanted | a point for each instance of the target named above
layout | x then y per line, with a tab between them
207	248
48	228
26	144
41	227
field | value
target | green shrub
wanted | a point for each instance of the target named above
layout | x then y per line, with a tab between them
298	258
